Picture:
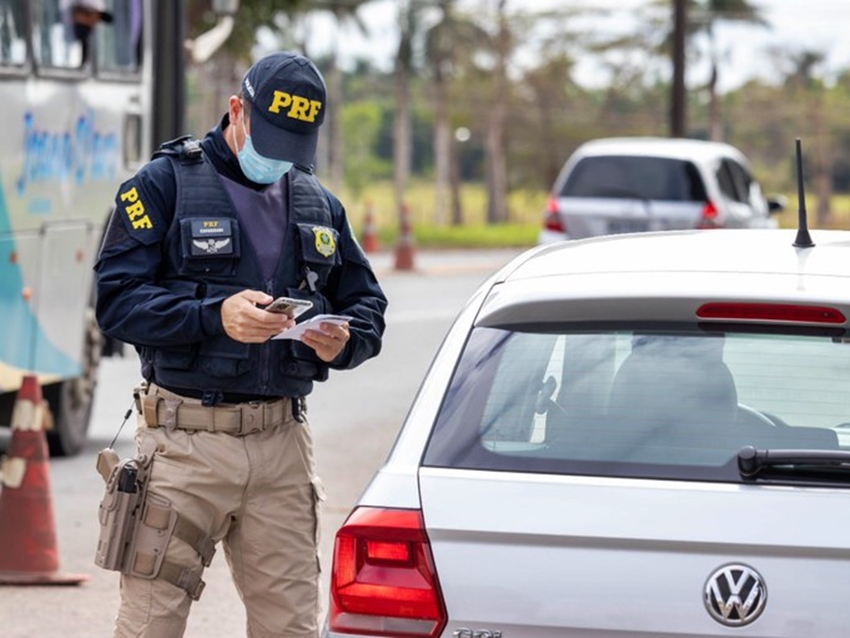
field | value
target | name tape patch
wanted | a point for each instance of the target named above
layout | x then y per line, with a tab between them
212	237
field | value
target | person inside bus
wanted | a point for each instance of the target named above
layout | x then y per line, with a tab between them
85	16
202	239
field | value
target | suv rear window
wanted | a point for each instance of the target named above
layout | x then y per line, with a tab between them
648	178
669	402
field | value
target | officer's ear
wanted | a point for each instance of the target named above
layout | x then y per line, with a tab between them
233	134
234	108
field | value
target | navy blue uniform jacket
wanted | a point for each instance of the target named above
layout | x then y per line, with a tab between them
176	326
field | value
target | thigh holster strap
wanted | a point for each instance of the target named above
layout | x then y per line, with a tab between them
161	517
159	523
194	536
186	579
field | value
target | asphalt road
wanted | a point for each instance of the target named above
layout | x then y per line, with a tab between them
355	417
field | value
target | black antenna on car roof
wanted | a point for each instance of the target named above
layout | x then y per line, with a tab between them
803	239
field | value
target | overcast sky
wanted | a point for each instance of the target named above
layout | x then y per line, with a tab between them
819	25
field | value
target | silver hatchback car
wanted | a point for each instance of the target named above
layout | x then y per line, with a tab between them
625	185
622	436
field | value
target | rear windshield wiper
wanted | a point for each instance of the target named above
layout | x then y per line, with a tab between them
824	464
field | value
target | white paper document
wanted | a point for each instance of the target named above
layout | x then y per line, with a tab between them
313	323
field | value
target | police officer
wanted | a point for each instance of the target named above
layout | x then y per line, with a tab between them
201	239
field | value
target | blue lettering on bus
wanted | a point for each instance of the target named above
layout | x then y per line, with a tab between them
39	206
82	154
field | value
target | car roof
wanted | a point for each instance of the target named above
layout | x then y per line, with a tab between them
678	148
668	275
755	251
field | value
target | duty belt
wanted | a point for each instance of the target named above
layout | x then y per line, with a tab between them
162	408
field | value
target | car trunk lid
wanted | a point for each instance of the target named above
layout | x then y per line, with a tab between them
538	555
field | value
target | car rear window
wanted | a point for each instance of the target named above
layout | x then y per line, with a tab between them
652	178
671	402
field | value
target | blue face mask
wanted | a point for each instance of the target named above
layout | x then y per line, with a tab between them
259	169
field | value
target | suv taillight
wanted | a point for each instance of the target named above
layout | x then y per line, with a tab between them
552	221
383	581
709	216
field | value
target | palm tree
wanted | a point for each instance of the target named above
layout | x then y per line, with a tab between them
345	14
496	160
703	17
409	25
449	45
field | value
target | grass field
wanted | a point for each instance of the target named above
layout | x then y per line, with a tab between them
839	213
525	213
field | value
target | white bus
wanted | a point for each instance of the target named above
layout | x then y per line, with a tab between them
76	121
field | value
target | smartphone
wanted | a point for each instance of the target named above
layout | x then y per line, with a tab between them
289	306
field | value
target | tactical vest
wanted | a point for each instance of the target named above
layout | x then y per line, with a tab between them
209	256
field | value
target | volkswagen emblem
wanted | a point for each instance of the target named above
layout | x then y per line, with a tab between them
735	595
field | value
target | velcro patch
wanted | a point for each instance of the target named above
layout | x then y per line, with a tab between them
135	210
212	237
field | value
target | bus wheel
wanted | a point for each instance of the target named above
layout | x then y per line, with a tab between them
71	401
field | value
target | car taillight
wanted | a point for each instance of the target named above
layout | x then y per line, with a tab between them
552	221
736	311
383	581
709	216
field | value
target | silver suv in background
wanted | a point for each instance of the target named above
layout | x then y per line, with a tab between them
626	185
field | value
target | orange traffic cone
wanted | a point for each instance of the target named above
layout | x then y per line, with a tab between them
28	553
404	246
370	235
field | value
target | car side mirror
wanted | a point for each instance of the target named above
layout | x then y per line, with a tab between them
776	204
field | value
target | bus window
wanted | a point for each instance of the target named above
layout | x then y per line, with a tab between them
119	47
53	41
13	46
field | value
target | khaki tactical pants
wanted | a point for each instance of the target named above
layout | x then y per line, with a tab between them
260	496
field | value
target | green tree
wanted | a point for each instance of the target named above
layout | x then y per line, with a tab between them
361	123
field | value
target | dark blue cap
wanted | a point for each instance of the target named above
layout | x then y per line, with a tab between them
287	95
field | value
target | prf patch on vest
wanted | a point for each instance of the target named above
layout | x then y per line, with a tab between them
134	208
212	237
325	244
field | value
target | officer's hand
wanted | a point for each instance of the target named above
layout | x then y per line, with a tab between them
245	322
328	342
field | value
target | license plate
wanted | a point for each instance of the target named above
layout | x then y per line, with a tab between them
617	226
